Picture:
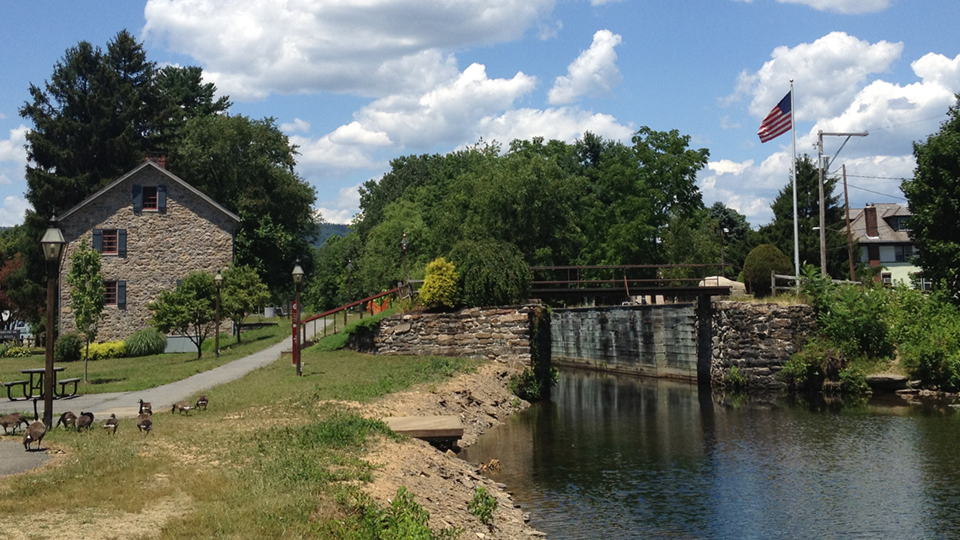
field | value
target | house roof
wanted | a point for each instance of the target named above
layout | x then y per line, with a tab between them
886	234
163	171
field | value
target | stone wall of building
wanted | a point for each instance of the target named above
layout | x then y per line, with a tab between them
162	247
492	333
757	338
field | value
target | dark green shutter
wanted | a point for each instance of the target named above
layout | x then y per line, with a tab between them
137	198
121	293
122	242
98	240
161	198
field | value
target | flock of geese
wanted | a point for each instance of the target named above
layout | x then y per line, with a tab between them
35	431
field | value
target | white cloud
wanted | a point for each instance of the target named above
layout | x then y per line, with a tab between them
725	166
595	71
602	2
447	113
343	208
296	125
251	48
564	123
839	6
828	73
12	211
12	149
849	7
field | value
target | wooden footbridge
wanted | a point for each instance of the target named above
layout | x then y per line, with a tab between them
624	283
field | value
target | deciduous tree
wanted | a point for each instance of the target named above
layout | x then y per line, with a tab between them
934	197
87	295
243	292
187	310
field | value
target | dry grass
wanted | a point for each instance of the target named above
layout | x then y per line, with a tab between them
266	459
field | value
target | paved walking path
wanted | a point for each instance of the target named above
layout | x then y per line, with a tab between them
13	458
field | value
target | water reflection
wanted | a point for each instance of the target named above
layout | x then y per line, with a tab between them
621	457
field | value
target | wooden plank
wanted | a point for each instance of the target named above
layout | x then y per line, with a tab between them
426	427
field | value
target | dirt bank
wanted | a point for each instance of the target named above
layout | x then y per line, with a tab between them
442	483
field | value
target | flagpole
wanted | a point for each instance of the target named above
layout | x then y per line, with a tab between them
793	161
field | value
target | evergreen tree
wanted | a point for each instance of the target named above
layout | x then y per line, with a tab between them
780	231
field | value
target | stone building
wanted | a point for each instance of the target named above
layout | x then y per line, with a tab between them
152	229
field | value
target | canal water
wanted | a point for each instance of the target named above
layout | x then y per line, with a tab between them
615	457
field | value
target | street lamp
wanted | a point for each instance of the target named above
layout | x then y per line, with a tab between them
349	290
52	245
403	244
297	280
218	283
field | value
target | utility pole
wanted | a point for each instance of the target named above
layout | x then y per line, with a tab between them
822	170
846	203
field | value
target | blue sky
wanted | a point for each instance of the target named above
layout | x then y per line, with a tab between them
356	83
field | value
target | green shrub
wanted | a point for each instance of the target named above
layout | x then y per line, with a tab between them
735	379
440	287
483	505
492	273
819	361
17	351
4	347
758	265
104	351
68	348
146	342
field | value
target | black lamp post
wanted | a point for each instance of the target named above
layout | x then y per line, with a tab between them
218	283
52	245
297	280
349	290
403	244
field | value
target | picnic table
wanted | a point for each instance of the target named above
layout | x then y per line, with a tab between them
33	388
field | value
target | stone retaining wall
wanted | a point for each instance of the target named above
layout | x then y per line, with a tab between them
757	338
492	333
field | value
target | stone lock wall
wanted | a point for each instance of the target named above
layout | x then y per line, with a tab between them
757	338
162	248
492	333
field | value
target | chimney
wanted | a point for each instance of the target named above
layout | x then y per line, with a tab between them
160	158
870	220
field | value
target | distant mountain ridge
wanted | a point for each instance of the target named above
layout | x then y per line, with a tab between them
330	229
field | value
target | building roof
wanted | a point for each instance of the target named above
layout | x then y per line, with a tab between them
139	168
886	235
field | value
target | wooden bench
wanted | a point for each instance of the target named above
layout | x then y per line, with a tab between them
63	386
23	389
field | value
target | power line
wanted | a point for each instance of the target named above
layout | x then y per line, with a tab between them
877	192
880	177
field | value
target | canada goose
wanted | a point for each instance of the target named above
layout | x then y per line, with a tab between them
85	420
202	402
111	424
144	423
145	407
13	420
67	419
35	433
182	406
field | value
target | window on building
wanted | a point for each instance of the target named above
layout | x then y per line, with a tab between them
903	253
150	197
900	223
109	241
886	278
873	253
115	293
110	293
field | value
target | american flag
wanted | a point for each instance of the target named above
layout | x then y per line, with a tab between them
777	122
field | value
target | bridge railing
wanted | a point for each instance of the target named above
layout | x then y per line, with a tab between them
623	277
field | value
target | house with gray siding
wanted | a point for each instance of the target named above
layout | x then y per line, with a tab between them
152	229
882	231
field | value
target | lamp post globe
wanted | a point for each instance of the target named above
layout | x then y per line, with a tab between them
297	280
51	244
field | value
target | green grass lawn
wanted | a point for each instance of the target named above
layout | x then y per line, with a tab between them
132	374
271	458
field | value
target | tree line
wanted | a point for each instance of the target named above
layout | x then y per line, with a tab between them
103	111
